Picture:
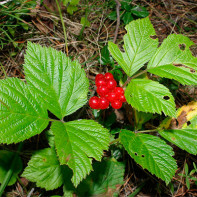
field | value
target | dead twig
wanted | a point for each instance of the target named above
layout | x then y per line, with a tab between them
118	19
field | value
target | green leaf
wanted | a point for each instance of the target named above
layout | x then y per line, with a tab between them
150	96
175	51
105	180
45	170
77	142
139	46
71	9
105	56
184	75
151	153
61	83
6	159
185	139
22	114
127	17
112	16
85	22
139	11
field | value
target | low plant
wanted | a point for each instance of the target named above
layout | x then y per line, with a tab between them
56	84
13	17
128	12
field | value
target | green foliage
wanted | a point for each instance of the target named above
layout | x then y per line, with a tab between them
13	16
57	84
77	142
6	159
128	12
175	51
151	153
189	175
45	170
23	114
105	180
185	139
66	82
138	45
150	96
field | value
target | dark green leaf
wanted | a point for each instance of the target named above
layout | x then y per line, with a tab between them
139	11
6	159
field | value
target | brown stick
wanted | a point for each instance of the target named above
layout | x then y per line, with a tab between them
118	19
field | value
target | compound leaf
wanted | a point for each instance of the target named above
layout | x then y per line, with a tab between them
45	169
139	46
150	96
22	114
185	139
151	153
173	52
77	142
6	159
61	83
105	180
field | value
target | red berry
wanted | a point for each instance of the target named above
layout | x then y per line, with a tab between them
116	104
119	90
121	98
99	76
102	90
101	82
111	96
111	84
94	102
104	103
109	76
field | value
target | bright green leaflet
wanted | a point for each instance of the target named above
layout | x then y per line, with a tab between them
193	124
174	50
185	76
151	153
107	176
45	170
22	114
139	46
150	96
185	139
174	60
77	142
6	158
61	83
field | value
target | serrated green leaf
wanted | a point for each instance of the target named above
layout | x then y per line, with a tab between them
22	114
150	96
184	75
45	170
139	47
185	139
6	159
171	52
61	83
151	153
105	180
77	142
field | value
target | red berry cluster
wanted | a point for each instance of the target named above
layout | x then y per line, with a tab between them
108	92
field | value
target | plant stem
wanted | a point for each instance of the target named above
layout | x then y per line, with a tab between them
137	75
5	75
138	189
10	171
63	26
147	131
114	141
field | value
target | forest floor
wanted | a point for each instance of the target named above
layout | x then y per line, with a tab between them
85	45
